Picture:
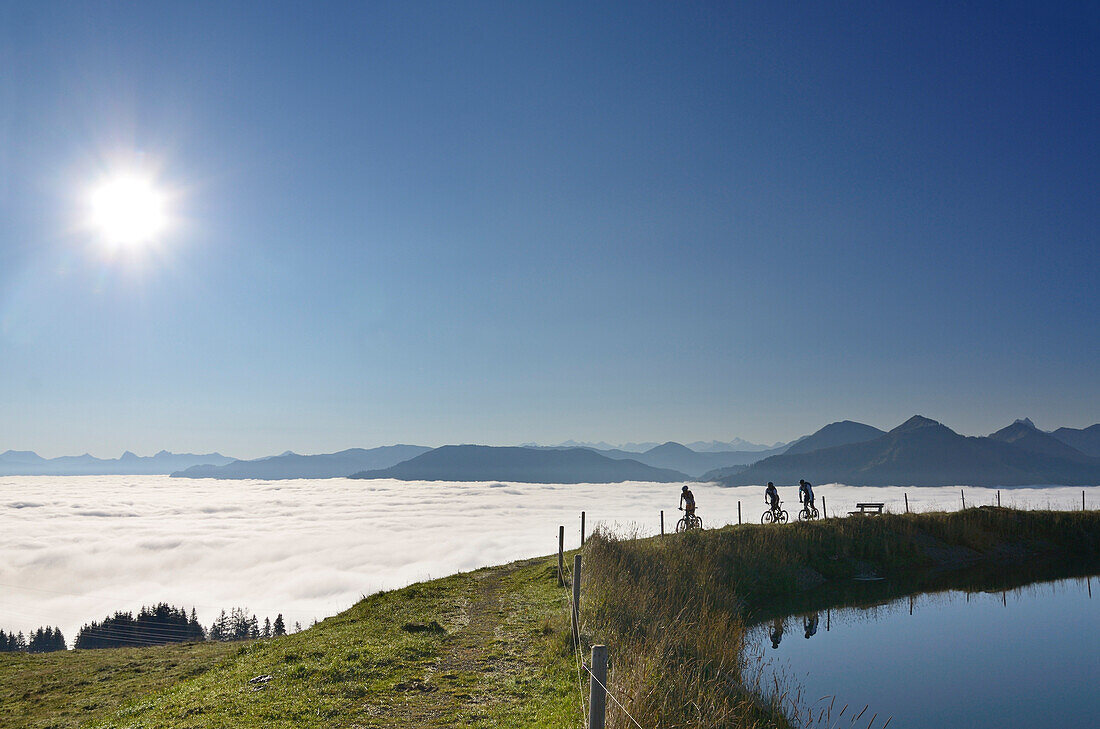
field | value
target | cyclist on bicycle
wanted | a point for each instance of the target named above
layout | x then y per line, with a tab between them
806	493
771	496
687	501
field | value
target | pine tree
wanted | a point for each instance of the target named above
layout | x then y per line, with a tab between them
279	628
194	628
266	633
219	628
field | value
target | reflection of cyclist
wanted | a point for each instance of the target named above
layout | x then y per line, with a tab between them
806	493
687	501
810	625
777	632
771	496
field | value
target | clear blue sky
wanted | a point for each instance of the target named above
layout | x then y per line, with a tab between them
509	222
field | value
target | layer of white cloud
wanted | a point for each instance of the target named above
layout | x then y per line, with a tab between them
75	549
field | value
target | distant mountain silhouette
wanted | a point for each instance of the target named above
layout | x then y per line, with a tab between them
324	465
737	444
710	446
681	458
922	452
1086	440
1024	434
29	463
519	464
845	432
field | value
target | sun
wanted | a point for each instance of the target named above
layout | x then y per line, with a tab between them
128	210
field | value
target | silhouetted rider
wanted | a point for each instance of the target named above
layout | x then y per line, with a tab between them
687	501
806	493
771	496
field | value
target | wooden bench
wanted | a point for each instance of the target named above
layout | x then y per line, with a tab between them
867	508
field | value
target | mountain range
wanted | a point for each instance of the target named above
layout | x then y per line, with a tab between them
689	461
323	465
699	446
523	465
923	452
918	452
1086	440
29	463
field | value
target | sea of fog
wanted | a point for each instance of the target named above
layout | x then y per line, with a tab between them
74	549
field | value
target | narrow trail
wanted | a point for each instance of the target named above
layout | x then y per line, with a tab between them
481	664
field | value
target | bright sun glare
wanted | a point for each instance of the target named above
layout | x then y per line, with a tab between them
128	210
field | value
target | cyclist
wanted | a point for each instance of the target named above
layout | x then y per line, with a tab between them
687	501
806	494
771	496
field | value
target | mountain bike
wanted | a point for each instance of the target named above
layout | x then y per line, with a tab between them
688	522
776	515
808	513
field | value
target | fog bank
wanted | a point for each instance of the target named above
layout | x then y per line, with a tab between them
74	549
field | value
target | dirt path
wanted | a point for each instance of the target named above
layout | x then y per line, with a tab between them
483	667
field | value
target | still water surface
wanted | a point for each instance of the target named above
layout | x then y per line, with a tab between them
1027	658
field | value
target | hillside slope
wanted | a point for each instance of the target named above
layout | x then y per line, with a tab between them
481	649
1086	440
322	465
922	452
683	459
29	463
1024	434
522	465
844	432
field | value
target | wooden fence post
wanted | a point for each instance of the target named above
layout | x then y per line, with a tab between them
561	556
577	601
739	511
963	494
998	498
582	528
824	514
597	698
1082	499
906	502
662	522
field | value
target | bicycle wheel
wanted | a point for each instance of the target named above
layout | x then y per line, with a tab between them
805	515
767	517
697	523
783	516
682	525
816	514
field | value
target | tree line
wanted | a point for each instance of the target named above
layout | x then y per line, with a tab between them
42	640
156	625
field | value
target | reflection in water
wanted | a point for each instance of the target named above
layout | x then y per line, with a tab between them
777	632
809	624
1000	658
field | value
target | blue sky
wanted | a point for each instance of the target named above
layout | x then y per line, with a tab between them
512	222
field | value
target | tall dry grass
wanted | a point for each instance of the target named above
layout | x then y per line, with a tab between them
674	609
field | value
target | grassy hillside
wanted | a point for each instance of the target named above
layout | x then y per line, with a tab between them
65	689
481	649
